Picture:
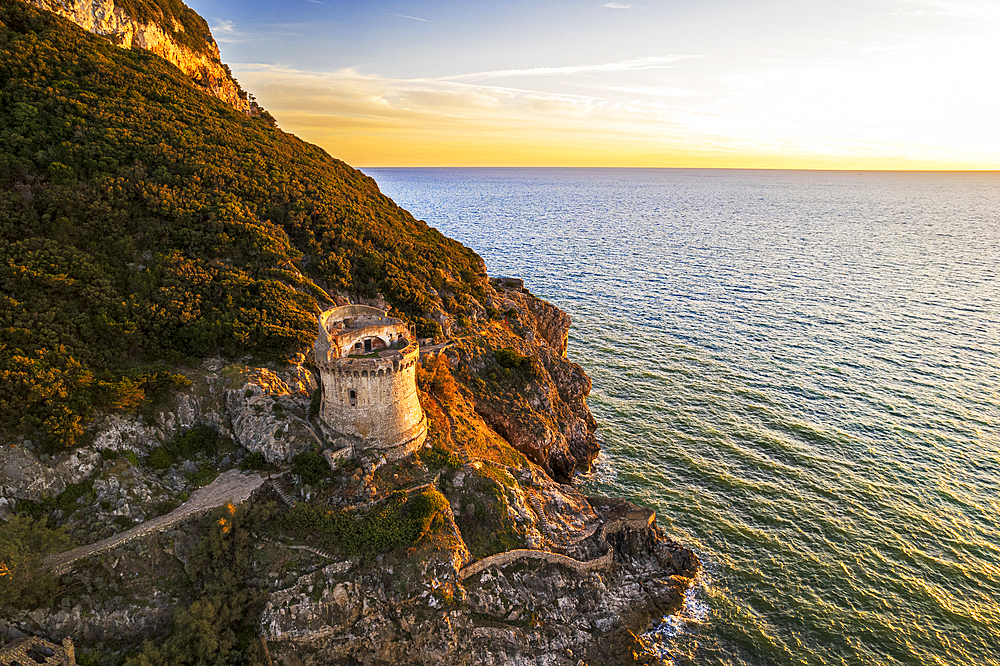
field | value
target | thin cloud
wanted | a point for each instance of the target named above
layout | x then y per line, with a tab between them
225	27
616	5
225	31
653	62
950	8
654	92
412	18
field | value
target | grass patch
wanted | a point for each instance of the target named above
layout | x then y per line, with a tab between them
491	529
392	524
438	456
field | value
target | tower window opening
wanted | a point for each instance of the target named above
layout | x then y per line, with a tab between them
354	398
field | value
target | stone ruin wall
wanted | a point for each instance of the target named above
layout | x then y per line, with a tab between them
385	410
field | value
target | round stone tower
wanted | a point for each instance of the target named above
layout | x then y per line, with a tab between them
367	368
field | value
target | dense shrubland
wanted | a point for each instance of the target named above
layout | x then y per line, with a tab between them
143	221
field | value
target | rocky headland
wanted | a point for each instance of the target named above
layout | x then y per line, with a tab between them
168	492
515	567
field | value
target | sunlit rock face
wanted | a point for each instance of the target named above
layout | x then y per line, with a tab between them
104	17
541	412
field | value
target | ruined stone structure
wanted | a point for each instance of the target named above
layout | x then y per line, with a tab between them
367	370
32	650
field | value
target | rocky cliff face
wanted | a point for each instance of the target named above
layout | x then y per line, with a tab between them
262	410
516	612
204	67
540	407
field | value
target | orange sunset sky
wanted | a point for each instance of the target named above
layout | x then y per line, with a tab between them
881	84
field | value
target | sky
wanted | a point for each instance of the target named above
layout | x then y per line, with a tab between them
843	84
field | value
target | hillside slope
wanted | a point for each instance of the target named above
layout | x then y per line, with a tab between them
163	257
168	28
142	221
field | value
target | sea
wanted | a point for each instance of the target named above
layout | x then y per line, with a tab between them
799	370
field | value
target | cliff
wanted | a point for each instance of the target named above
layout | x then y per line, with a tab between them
506	565
188	45
523	386
163	259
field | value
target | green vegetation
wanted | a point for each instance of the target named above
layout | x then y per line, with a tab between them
67	501
390	525
219	626
203	476
438	457
454	425
490	529
24	542
143	221
254	461
199	439
311	466
511	359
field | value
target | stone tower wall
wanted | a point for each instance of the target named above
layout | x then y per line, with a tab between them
384	411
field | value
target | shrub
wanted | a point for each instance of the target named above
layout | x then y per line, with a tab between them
204	476
199	439
122	521
311	466
512	359
389	525
165	507
161	458
438	457
254	461
24	542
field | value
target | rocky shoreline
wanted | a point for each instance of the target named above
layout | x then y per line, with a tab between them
577	581
573	579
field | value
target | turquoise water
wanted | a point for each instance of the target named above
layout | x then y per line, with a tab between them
799	370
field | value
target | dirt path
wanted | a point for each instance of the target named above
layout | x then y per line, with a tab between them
231	486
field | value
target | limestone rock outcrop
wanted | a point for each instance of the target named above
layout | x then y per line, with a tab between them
517	613
261	409
541	411
268	416
205	68
24	476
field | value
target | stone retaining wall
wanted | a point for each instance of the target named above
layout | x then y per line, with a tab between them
602	562
503	559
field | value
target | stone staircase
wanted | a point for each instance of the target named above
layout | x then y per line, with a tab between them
315	551
543	521
279	488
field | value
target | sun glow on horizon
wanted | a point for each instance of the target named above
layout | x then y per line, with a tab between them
895	84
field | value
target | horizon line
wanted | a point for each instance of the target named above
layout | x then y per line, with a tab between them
692	168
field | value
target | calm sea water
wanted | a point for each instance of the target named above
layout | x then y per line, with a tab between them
799	370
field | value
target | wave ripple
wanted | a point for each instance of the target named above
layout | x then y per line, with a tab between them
799	370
